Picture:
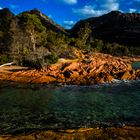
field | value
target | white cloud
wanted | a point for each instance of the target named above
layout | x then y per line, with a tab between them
67	27
68	24
0	7
70	1
71	22
88	11
111	6
99	7
132	10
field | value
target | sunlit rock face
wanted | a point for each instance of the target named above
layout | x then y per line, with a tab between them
97	69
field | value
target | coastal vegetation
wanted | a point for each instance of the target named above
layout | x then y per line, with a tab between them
93	52
32	39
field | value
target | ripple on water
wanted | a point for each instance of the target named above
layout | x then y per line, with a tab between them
30	107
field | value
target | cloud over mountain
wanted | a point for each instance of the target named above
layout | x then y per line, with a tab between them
70	1
68	24
97	8
72	10
88	11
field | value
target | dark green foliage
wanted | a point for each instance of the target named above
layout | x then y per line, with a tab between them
32	61
115	49
31	40
37	61
4	42
97	45
82	36
5	19
5	58
59	44
31	21
67	53
55	39
33	29
50	59
134	50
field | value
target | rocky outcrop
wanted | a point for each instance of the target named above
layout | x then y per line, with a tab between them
120	133
97	69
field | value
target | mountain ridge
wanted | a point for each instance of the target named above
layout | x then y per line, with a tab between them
32	38
123	28
46	21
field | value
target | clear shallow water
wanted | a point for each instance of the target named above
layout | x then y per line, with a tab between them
32	107
136	65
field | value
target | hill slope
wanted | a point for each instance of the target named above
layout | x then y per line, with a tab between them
32	39
122	28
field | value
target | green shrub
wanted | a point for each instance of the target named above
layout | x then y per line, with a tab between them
115	49
50	59
33	61
5	20
4	58
31	21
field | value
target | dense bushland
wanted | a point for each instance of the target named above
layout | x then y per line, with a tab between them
31	39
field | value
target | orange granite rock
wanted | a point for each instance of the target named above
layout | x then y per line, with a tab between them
111	133
126	76
44	79
94	69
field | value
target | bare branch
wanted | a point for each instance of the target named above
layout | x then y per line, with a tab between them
7	64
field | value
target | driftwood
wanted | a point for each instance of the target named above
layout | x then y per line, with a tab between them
7	64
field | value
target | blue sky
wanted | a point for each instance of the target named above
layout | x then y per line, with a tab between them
67	12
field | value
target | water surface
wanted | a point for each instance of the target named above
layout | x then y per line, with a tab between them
136	65
35	107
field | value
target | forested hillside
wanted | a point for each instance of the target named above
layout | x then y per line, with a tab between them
32	39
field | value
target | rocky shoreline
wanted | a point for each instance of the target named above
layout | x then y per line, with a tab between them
124	133
92	69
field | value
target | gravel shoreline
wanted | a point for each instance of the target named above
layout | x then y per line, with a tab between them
111	133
